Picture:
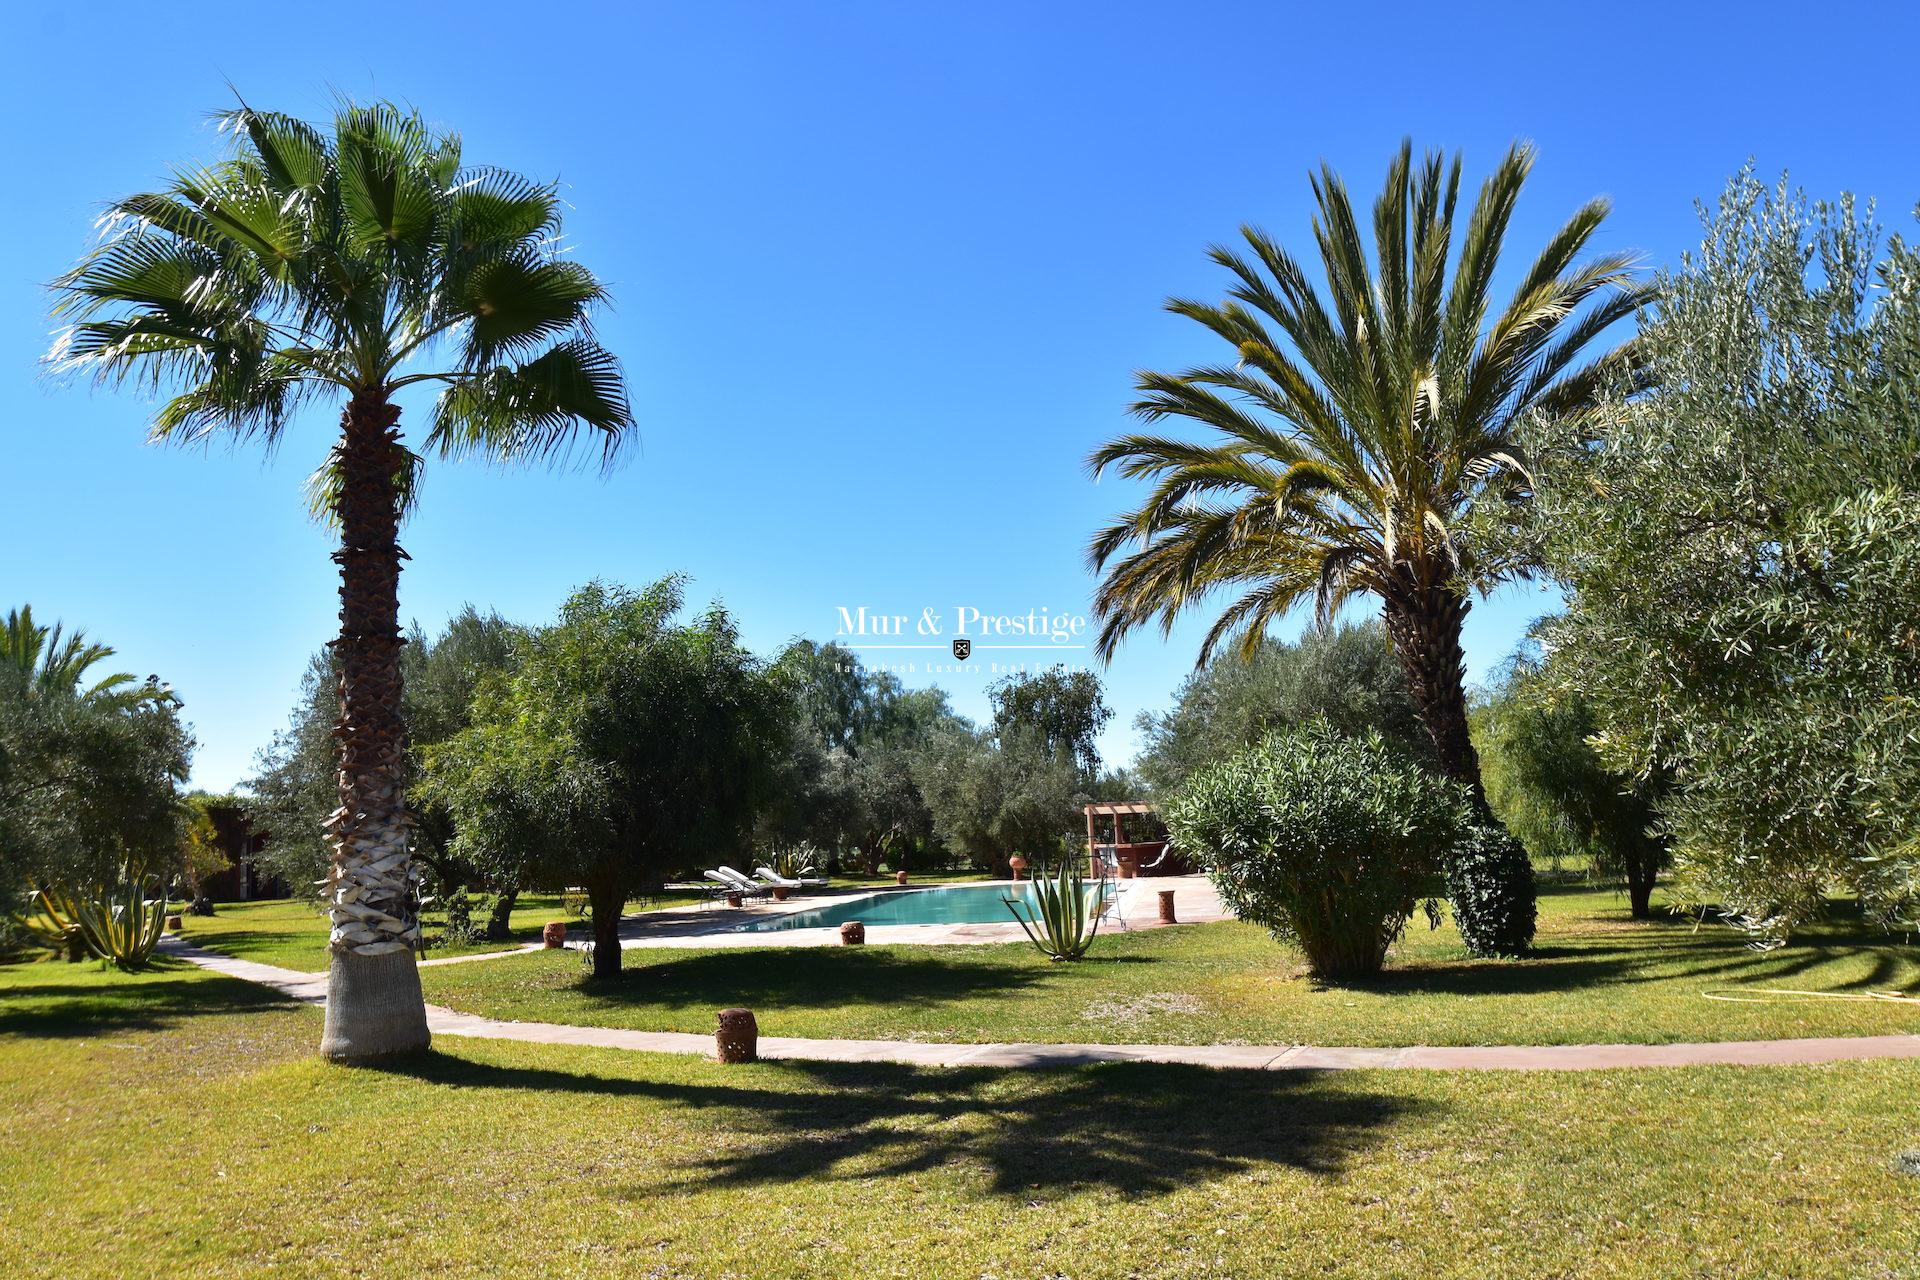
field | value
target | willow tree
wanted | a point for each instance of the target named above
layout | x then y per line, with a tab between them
1354	430
353	263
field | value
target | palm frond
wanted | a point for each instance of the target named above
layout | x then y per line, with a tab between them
1361	420
312	260
537	409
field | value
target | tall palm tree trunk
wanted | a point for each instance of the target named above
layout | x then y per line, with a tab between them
374	1003
1424	619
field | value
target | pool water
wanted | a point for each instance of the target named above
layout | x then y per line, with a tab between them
954	904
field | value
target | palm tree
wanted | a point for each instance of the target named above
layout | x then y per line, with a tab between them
361	263
50	664
1351	437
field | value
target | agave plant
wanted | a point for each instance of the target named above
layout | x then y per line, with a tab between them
1060	915
117	922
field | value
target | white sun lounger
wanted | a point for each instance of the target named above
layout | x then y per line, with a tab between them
779	881
731	881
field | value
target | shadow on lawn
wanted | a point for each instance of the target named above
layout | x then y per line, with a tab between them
1135	1128
259	944
63	1010
812	978
1666	952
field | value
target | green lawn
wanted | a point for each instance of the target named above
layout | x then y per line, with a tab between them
1598	976
292	933
177	1123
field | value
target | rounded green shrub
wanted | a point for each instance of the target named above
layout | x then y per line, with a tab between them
1490	884
1330	841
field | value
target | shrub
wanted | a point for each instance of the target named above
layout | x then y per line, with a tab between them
1328	840
1490	883
459	906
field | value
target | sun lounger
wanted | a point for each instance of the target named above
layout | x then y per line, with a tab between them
779	881
728	881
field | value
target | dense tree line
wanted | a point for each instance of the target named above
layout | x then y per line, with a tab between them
621	746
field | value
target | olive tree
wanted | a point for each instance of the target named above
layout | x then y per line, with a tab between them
1740	548
626	747
1552	790
1346	675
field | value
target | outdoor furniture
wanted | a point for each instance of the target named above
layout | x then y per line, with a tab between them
730	883
779	881
744	883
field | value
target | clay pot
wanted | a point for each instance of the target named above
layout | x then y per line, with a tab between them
899	877
779	893
1166	907
738	1037
1019	865
853	934
554	934
735	900
173	924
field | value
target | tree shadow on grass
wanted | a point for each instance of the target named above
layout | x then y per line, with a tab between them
1135	1128
809	978
1653	957
266	946
144	1002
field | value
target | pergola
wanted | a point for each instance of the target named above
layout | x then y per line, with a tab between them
1117	810
1129	854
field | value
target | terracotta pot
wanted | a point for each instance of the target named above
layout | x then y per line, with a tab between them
554	934
735	900
738	1037
1019	865
779	893
1166	907
852	934
173	924
899	877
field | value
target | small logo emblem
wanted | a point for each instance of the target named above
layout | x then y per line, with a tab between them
962	648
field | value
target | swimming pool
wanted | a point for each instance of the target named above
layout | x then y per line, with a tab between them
952	904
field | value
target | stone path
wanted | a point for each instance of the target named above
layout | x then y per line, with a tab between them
312	988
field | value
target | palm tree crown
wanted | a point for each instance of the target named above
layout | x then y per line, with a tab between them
304	262
50	663
1353	432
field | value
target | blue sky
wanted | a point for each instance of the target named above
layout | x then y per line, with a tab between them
882	273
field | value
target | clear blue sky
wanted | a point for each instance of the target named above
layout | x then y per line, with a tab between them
882	272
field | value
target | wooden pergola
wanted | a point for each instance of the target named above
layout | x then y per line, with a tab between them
1117	810
1130	854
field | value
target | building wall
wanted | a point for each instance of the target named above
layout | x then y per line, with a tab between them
246	880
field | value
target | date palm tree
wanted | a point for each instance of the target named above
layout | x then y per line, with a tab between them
1353	435
49	663
354	263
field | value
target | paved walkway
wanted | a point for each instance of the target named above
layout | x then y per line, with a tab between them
312	988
